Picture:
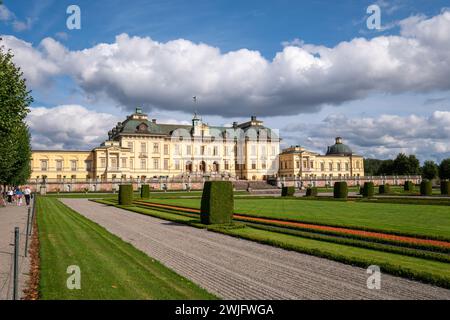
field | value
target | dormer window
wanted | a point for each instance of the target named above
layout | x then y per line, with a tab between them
142	127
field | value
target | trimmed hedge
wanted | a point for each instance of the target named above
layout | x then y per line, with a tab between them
445	187
311	192
217	203
125	194
287	191
340	190
145	191
384	188
408	186
426	188
368	189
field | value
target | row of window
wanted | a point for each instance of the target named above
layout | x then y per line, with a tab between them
331	167
59	165
201	150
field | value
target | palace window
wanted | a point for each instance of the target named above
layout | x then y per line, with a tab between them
166	164
346	166
177	150
177	164
188	150
274	150
311	164
338	166
263	165
102	162
155	163
130	146
143	164
253	165
143	147
202	150
166	149
132	163
114	163
305	164
44	165
297	164
59	165
226	165
253	152
322	166
215	151
225	151
330	166
88	164
124	162
73	165
156	148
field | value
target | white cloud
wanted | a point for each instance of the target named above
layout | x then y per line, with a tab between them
22	25
68	127
301	78
380	137
9	17
37	68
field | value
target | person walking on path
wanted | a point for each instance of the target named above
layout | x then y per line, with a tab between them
10	194
27	193
19	195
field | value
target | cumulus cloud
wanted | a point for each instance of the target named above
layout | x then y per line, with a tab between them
380	137
5	14
37	68
72	127
9	17
299	79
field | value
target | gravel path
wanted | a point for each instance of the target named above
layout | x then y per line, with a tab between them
239	269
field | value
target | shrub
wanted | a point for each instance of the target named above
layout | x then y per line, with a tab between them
340	190
445	187
426	188
408	186
311	192
368	189
384	188
217	203
287	191
361	190
145	191
125	194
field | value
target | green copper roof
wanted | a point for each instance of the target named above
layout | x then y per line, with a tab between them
339	148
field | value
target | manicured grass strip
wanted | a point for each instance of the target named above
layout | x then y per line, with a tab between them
421	221
110	268
433	272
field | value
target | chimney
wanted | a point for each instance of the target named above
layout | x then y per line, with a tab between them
253	118
154	121
235	124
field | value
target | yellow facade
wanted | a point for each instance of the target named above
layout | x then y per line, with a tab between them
60	164
139	148
299	162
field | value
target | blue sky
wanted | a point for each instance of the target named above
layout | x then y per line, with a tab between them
267	29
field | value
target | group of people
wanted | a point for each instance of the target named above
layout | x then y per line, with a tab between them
17	196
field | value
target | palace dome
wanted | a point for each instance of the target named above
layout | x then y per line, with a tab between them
339	149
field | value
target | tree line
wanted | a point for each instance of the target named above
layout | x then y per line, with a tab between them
404	165
15	149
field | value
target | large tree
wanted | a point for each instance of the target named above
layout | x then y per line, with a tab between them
406	165
429	170
444	169
14	137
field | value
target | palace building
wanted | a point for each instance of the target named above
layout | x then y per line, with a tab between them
139	148
338	162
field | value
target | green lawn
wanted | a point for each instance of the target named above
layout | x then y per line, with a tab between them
425	220
110	267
